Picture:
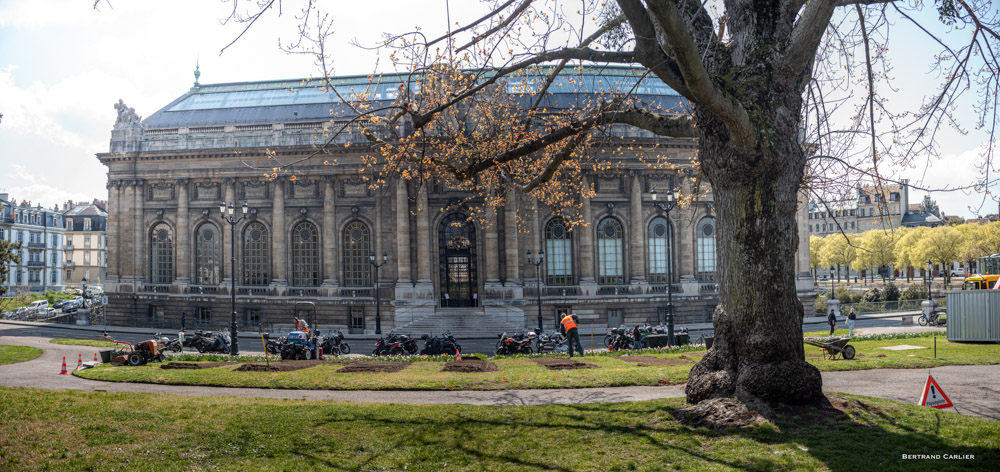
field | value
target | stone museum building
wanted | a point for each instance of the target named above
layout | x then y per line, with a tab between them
311	238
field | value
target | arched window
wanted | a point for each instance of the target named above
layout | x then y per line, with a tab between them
161	254
207	258
706	250
610	244
559	253
256	254
661	240
357	245
305	255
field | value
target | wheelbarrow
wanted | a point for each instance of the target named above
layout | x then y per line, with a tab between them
833	346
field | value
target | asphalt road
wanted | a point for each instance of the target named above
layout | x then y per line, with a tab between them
252	345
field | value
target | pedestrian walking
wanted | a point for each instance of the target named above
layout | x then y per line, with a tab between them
831	320
637	338
569	325
850	322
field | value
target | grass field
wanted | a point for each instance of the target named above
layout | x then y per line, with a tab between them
128	431
522	373
13	354
83	342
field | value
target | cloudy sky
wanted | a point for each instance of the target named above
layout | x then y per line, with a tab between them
63	65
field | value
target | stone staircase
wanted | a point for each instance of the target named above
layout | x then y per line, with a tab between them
466	323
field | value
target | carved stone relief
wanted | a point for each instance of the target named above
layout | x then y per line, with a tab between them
207	191
160	191
254	190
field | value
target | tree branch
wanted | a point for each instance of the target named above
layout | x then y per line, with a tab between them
805	37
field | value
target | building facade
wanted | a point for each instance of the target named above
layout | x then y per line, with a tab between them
311	238
86	243
40	232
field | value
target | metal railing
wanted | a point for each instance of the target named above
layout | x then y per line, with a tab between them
662	289
614	290
357	292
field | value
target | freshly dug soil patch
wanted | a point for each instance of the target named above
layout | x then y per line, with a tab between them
194	365
650	361
283	366
472	364
372	367
556	363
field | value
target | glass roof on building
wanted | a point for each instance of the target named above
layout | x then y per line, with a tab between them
588	81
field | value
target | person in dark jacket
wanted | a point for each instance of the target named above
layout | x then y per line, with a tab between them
851	317
637	337
831	320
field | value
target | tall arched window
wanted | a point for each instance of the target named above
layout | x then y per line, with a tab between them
357	245
559	253
706	250
206	255
305	255
660	249
610	245
256	254
161	254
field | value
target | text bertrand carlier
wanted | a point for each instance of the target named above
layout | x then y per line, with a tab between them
939	456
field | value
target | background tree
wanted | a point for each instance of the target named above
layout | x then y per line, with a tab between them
839	250
752	73
941	245
815	247
908	253
9	253
877	250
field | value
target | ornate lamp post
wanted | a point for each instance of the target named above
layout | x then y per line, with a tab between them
378	298
665	207
227	211
833	285
538	280
928	278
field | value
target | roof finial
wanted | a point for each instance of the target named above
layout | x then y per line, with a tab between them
197	73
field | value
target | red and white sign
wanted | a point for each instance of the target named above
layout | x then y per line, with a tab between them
933	396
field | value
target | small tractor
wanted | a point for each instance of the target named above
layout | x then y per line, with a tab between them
302	343
138	354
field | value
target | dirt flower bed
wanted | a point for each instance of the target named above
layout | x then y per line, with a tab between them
372	367
649	361
561	363
473	364
194	365
283	366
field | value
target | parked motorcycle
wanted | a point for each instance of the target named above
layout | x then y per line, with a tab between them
395	345
214	342
273	346
516	344
444	344
169	344
550	342
336	341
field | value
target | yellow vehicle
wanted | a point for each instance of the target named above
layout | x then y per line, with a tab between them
989	268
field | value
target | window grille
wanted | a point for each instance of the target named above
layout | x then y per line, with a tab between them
305	255
706	250
610	244
256	254
660	249
558	253
207	257
357	246
161	255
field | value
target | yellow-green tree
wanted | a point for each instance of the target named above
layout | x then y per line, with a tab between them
989	239
908	253
877	250
970	242
838	250
941	246
815	246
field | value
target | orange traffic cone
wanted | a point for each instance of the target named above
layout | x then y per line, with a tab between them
95	357
64	372
458	356
79	361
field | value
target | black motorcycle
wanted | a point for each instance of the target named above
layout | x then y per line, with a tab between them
550	342
395	345
337	342
214	342
516	344
273	346
168	344
444	344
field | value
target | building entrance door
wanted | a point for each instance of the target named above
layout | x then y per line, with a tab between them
458	276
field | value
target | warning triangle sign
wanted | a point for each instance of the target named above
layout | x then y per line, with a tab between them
933	396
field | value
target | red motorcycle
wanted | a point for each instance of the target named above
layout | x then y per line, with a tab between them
516	344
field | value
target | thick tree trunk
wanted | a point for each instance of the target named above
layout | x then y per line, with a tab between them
757	356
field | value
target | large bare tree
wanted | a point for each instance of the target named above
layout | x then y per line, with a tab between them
760	78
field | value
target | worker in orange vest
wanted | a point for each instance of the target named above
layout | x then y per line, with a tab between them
569	326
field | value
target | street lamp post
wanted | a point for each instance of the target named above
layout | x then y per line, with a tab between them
929	278
833	285
538	280
378	298
665	207
227	211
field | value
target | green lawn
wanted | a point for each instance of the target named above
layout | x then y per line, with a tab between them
521	373
14	354
83	342
70	430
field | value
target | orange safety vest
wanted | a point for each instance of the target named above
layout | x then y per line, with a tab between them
568	323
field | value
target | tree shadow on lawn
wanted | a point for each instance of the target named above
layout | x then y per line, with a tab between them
606	436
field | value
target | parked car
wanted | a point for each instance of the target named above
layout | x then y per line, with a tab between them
39	307
958	272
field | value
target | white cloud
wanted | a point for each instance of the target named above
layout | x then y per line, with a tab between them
955	170
38	190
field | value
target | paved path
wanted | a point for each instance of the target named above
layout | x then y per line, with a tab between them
974	389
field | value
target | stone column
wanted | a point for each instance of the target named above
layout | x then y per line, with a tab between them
492	251
803	278
329	233
126	257
636	250
423	238
139	229
183	234
114	207
511	248
227	241
402	233
586	242
278	247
